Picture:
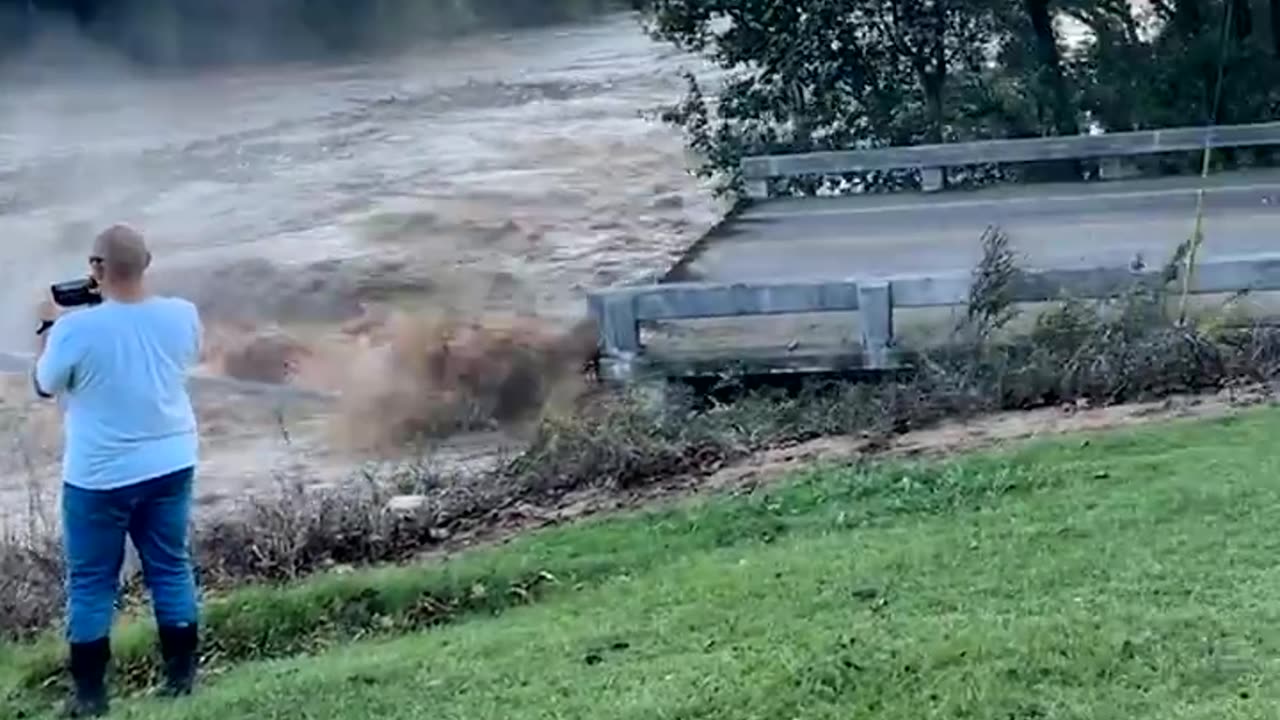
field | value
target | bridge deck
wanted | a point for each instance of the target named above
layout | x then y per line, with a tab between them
1052	226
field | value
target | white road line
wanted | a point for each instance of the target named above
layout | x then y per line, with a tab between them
931	237
930	206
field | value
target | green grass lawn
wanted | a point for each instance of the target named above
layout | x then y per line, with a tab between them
1135	575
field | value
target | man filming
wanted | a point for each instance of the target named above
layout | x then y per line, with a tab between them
118	368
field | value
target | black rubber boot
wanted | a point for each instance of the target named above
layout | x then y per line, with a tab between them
179	646
89	679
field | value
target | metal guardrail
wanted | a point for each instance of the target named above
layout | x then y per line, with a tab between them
932	160
620	313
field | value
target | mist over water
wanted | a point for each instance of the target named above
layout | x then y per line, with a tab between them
415	233
503	172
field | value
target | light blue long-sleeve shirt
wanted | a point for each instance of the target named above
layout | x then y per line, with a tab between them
120	372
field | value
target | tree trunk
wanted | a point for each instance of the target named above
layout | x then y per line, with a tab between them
1275	27
1050	71
1188	17
933	84
1049	76
1241	19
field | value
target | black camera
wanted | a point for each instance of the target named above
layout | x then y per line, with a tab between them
76	293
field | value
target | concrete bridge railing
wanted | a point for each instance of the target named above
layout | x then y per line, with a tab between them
619	313
933	160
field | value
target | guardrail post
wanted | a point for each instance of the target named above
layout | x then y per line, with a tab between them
875	305
933	179
619	341
757	189
1115	168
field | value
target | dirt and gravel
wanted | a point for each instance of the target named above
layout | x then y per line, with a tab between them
761	469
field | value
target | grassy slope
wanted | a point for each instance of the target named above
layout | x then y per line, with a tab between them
1132	576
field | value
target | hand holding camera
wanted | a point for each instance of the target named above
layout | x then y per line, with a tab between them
83	292
76	293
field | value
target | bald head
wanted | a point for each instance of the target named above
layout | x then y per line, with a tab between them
122	252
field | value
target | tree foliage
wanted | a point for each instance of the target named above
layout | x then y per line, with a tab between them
803	75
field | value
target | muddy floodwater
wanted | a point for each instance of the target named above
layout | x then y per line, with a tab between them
500	174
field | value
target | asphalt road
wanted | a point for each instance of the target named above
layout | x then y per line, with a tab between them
1067	225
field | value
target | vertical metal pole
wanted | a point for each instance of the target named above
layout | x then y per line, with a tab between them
875	305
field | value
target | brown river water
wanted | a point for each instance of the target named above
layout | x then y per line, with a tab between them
502	175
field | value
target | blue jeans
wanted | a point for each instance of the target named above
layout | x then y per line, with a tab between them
155	515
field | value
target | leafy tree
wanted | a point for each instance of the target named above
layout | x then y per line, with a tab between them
1207	61
1048	68
823	74
816	74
